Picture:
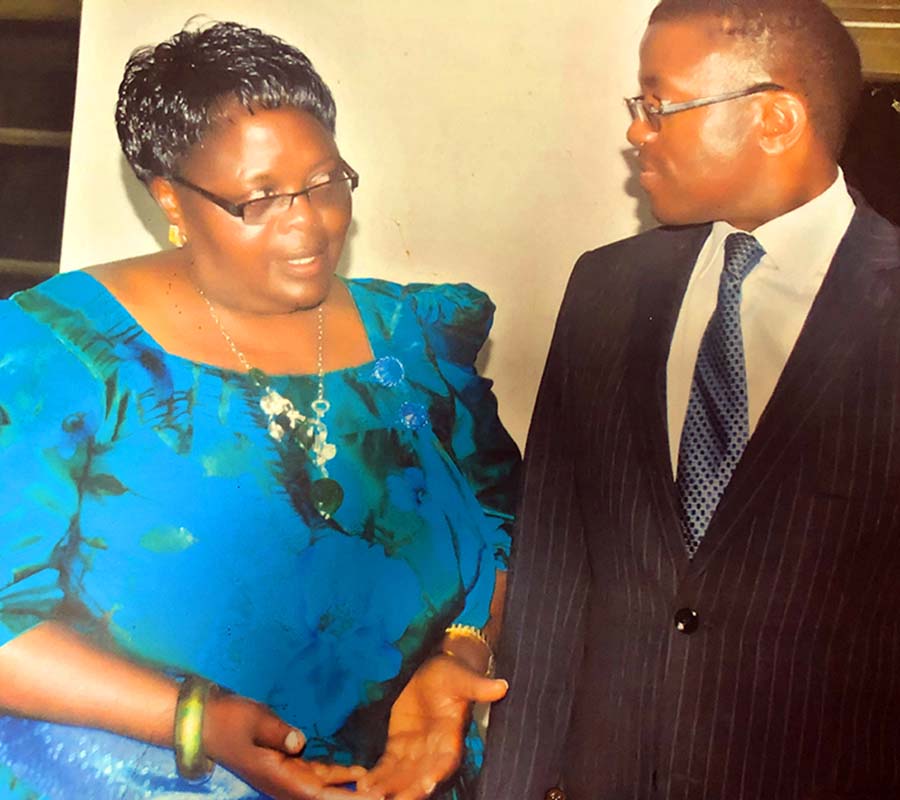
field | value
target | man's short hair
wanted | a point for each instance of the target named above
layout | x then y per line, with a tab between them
801	43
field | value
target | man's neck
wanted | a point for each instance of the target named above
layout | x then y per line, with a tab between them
783	192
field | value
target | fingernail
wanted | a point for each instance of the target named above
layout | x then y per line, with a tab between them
292	742
504	682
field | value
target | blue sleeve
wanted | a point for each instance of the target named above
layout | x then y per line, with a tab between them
50	409
456	320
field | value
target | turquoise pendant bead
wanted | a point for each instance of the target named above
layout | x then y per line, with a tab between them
327	496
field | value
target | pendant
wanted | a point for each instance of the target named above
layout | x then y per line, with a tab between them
311	435
322	449
327	496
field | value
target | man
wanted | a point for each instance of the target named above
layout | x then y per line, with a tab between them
705	583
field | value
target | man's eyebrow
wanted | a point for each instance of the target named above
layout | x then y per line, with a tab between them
649	81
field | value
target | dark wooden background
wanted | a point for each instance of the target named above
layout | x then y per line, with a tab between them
39	47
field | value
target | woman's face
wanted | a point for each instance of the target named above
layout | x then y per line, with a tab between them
286	263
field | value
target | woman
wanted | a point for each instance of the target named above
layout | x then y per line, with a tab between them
226	467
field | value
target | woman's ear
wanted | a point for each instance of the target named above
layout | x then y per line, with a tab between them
164	193
784	122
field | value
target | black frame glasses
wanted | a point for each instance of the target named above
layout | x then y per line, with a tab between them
263	209
651	114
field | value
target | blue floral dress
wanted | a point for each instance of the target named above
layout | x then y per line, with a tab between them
145	503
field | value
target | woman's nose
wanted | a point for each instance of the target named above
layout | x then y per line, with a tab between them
301	211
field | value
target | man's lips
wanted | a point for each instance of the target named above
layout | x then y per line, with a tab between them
646	166
649	174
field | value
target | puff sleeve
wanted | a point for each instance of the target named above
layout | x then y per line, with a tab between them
50	409
456	320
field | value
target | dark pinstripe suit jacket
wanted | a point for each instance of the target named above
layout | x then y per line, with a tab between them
790	686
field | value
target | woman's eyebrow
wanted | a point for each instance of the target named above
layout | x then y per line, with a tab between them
265	179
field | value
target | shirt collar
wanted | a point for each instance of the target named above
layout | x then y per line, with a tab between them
801	243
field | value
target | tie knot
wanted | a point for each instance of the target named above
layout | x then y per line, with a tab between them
742	254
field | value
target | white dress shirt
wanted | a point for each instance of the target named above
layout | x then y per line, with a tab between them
776	298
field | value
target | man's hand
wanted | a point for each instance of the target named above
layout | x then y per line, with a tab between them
251	741
427	727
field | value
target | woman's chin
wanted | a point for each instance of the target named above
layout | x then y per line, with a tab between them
309	294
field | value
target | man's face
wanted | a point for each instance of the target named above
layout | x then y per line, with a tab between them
701	163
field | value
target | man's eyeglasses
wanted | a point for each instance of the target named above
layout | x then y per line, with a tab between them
650	113
327	195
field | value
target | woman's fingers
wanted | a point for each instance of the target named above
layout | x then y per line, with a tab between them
295	779
251	740
408	778
294	741
486	690
379	774
417	791
275	734
336	773
454	679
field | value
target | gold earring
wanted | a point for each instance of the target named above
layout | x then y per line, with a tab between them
176	237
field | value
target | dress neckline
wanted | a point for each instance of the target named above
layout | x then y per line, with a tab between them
120	315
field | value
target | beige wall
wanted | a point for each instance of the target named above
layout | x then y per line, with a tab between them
488	134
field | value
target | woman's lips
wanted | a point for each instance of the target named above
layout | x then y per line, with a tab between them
302	261
305	265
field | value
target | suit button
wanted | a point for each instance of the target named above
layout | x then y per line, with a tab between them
555	794
686	620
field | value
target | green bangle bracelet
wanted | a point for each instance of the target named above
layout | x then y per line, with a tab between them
190	760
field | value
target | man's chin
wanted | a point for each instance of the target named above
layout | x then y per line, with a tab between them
672	214
666	216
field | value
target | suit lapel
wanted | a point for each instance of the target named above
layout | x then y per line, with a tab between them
847	309
656	312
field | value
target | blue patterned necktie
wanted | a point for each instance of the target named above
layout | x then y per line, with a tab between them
716	426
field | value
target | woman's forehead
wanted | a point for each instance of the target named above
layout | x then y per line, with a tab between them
248	143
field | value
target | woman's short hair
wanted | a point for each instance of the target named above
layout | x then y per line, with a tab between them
173	93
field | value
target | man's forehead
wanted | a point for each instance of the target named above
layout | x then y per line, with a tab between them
695	50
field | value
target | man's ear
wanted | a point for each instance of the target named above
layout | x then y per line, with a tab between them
784	121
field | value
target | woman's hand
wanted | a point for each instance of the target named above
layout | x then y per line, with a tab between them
251	741
52	673
426	729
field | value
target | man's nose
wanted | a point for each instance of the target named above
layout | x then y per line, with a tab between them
639	133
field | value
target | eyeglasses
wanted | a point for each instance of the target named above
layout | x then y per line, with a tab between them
642	111
327	195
